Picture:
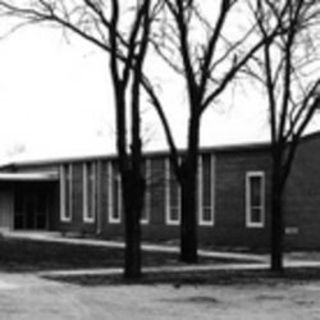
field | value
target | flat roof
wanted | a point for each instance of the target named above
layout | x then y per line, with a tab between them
159	153
38	176
238	147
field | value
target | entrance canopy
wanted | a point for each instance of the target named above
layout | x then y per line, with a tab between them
29	176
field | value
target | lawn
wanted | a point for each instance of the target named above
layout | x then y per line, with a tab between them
219	294
20	255
292	276
255	296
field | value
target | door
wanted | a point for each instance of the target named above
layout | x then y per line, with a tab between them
31	206
6	207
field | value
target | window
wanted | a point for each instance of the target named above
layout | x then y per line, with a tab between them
145	214
66	193
206	189
173	196
255	188
115	193
89	192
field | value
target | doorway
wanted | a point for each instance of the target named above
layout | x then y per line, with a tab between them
31	206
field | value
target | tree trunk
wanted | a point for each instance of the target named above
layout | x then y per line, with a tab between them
188	181
188	231
276	219
133	203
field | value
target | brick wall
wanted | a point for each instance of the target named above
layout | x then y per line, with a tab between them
77	224
229	216
230	211
108	230
156	227
302	199
229	227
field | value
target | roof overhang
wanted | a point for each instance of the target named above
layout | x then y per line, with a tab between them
28	176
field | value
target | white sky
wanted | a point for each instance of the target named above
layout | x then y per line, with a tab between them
56	100
53	95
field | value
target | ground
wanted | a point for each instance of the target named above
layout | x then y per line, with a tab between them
82	279
32	297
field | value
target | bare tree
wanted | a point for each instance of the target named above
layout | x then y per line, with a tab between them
121	29
206	47
286	68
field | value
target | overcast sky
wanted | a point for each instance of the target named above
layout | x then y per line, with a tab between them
56	101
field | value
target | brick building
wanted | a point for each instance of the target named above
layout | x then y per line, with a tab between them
83	195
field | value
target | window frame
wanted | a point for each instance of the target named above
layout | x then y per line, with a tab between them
201	208
169	221
66	179
89	177
147	197
249	207
111	176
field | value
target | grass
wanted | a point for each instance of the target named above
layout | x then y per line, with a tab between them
17	255
217	277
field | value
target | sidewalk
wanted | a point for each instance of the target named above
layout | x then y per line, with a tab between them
178	269
58	238
255	262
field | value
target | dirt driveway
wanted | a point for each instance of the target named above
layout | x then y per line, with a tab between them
31	297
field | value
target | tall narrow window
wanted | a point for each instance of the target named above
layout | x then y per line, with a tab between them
89	192
115	194
173	196
145	214
206	189
255	193
66	193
